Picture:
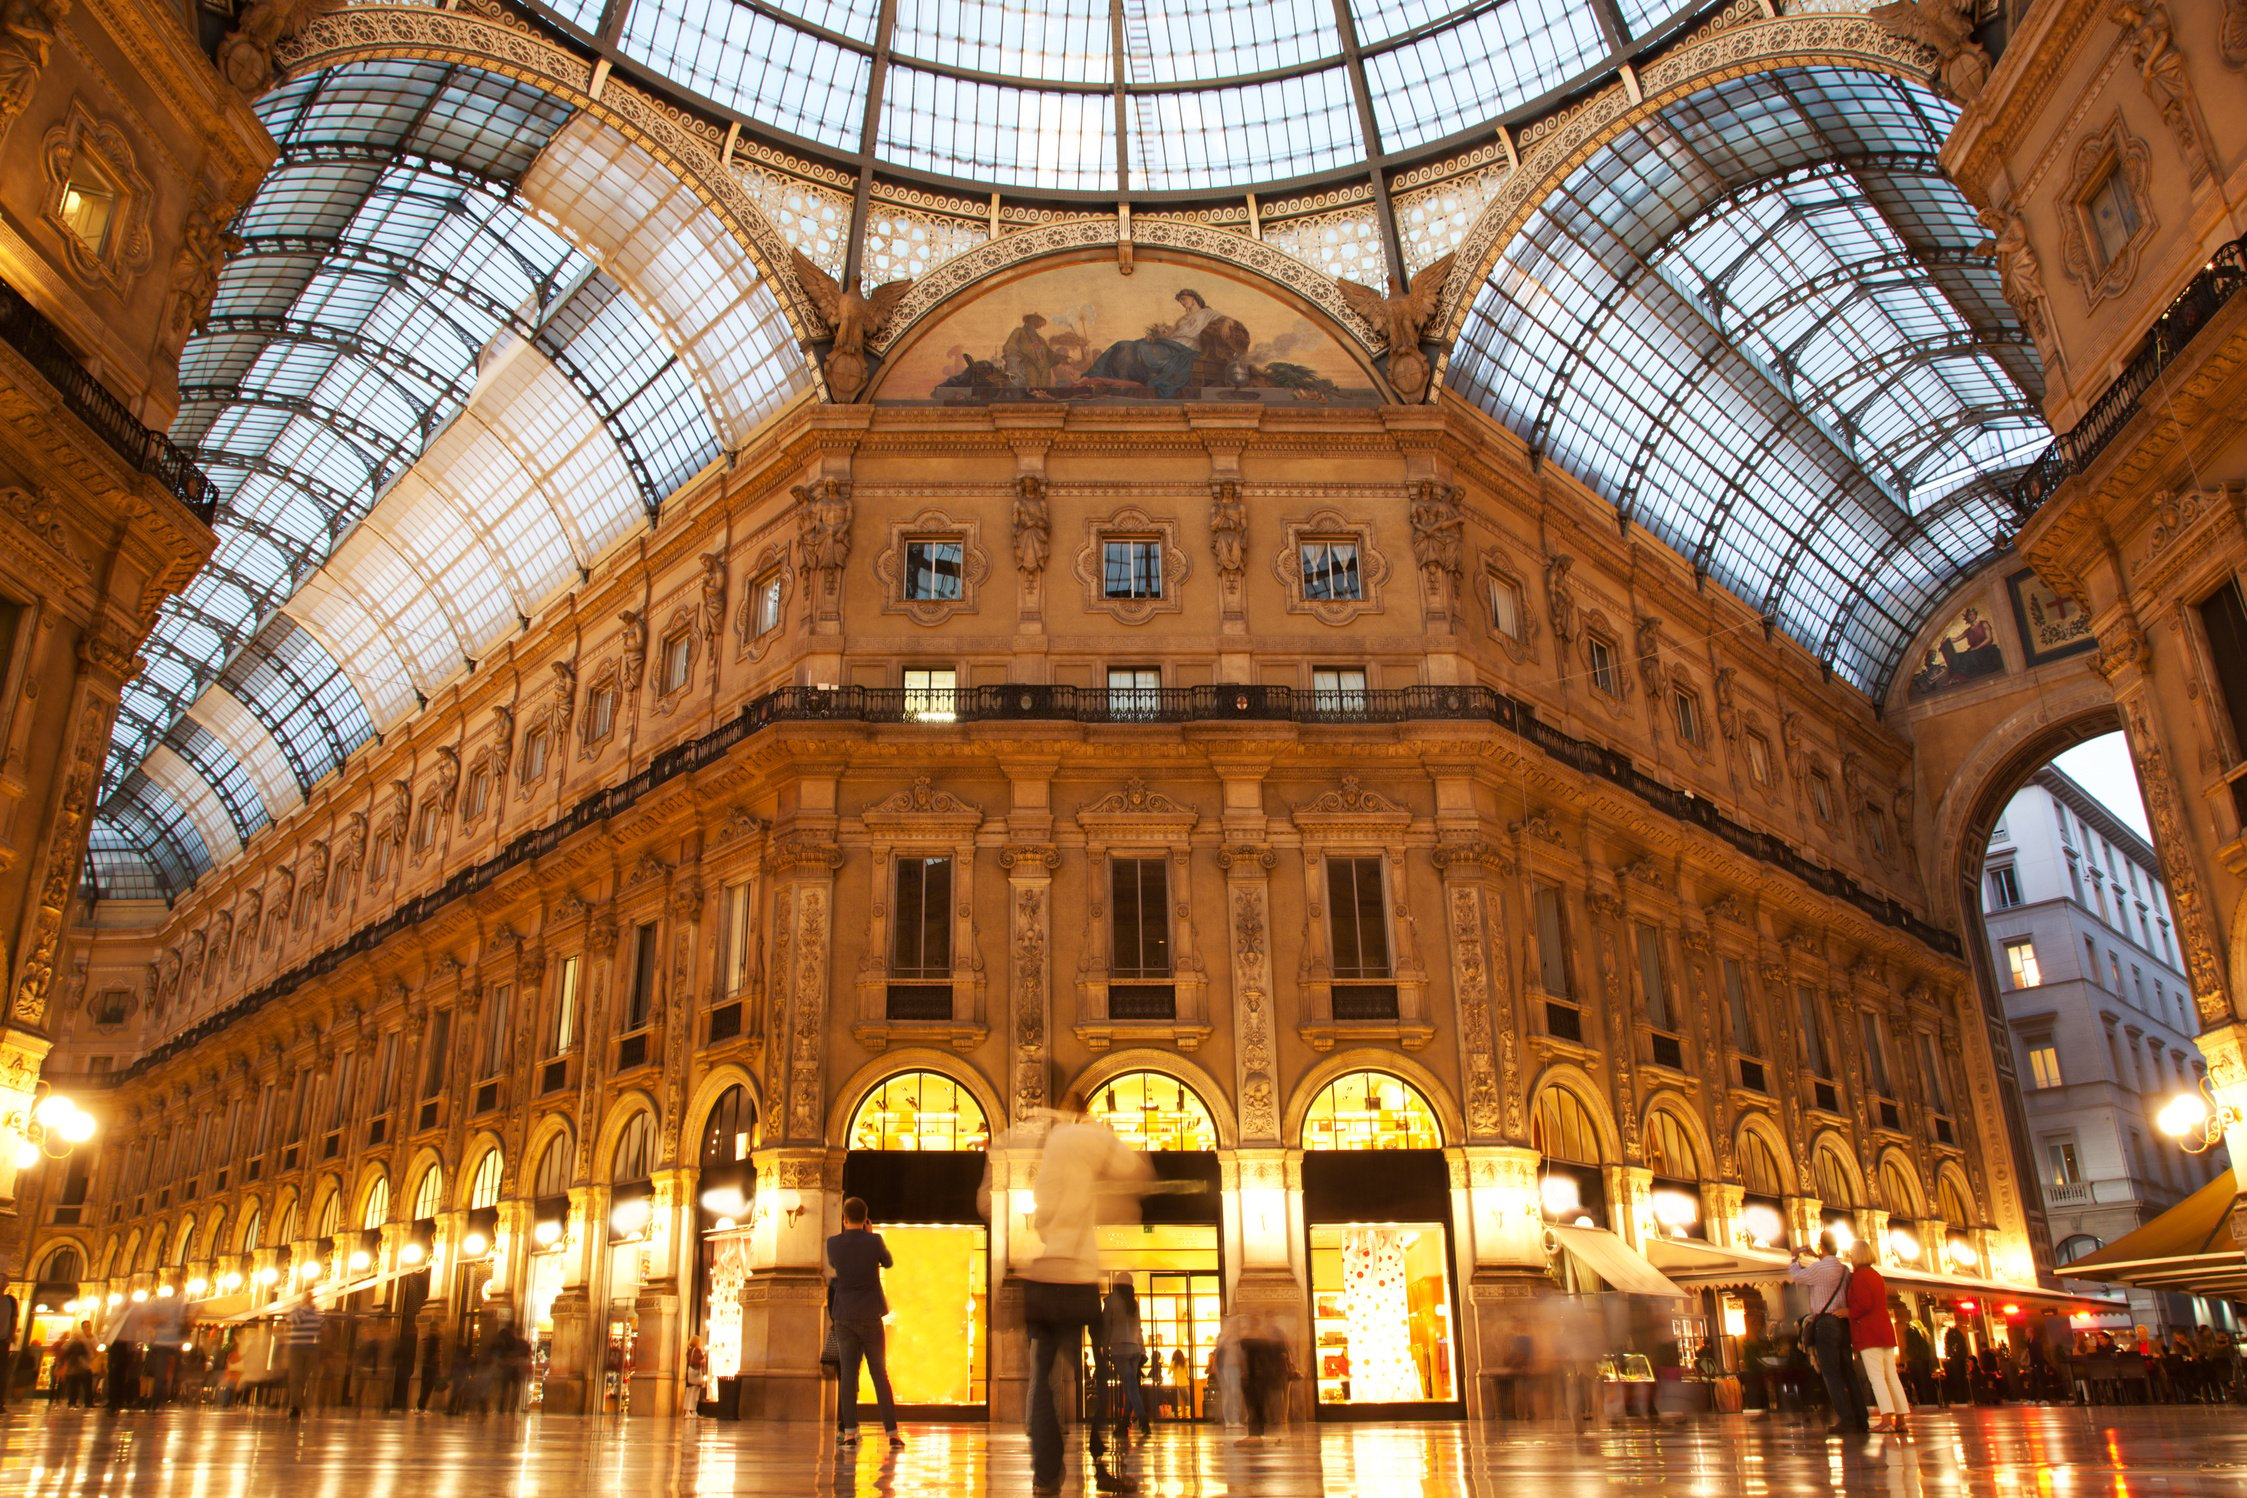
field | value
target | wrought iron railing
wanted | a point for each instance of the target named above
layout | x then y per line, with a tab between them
23	329
920	711
2073	450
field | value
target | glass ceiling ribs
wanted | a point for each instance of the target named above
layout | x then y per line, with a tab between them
393	283
1219	95
142	844
1756	324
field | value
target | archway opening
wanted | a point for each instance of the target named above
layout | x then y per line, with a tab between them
725	1191
1377	1214
917	1143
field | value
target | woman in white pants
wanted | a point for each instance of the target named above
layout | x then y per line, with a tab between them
1872	1332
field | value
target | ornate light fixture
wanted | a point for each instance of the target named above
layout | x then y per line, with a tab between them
2196	1119
51	1125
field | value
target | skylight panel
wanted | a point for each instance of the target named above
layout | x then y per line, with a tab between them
1379	20
1209	137
1038	41
252	746
1469	74
1197	41
1648	17
197	800
763	69
1011	137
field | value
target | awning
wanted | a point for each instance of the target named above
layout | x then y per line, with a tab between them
329	1293
1690	1263
218	1307
1623	1267
2002	1291
2188	1249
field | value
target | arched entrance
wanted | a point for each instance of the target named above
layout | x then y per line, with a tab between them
725	1192
1377	1213
1173	1254
918	1142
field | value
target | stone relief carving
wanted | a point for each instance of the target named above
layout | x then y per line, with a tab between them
1253	1024
27	31
2193	924
61	865
1033	525
37	515
1470	968
923	796
1945	28
1228	529
811	996
633	665
204	245
824	511
2152	39
1030	996
1437	520
850	321
564	689
710	612
1402	318
2020	275
1560	598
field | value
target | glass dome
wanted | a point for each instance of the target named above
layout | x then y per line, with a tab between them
1108	97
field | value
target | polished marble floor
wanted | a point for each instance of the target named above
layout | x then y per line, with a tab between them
2014	1453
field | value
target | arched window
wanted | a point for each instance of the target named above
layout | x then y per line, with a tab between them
253	1228
214	1236
184	1249
429	1196
1759	1167
288	1226
634	1159
1899	1193
378	1204
920	1110
730	1132
331	1214
63	1267
483	1186
1951	1198
1562	1128
154	1254
2072	1248
1669	1149
553	1178
1150	1111
1370	1110
1834	1188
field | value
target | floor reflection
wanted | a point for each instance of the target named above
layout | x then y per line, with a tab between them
2013	1453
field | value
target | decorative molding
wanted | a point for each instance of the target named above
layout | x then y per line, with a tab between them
2114	146
932	525
1323	524
126	246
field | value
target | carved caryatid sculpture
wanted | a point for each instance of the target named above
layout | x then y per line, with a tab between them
1402	317
851	320
1945	28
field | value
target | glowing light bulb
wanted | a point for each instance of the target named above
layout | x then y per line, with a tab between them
1903	1245
1559	1196
630	1218
360	1259
163	1292
268	1275
2184	1114
474	1245
546	1234
139	1296
26	1154
230	1281
197	1286
412	1253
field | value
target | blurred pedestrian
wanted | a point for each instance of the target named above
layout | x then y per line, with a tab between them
300	1344
1264	1371
1827	1280
1127	1353
857	1256
698	1364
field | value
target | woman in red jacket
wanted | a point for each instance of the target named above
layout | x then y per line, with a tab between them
1872	1332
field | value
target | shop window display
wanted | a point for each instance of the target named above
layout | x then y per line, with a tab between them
1149	1111
925	1210
1380	1247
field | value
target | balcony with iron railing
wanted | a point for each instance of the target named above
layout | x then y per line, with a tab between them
38	343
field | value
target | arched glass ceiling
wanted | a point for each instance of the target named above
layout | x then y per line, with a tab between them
1756	324
1207	95
425	407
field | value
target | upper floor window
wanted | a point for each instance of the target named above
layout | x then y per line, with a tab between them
1931	1071
1330	570
425	823
765	596
536	745
1505	606
1685	711
1875	1034
1338	689
1131	567
600	712
2005	887
1134	692
1654	989
639	1006
1821	795
677	655
2060	1156
1139	906
735	947
931	694
2021	965
565	1006
1816	1058
1552	940
2044	1064
1600	651
1759	757
920	941
1745	1038
438	1054
498	1003
89	205
1357	917
477	795
935	570
2110	213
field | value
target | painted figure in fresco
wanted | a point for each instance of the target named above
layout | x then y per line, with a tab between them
1029	358
1964	652
1163	361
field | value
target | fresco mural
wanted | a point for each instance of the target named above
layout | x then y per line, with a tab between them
1080	333
1964	650
2050	626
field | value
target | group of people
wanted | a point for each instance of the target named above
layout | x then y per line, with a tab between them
1852	1331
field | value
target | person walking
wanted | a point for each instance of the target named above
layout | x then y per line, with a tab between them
857	1256
698	1364
1061	1287
1263	1364
431	1362
300	1344
74	1367
1127	1354
1872	1332
1826	1279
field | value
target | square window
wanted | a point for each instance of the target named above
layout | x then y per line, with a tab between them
935	570
1601	654
1505	607
2110	213
1330	571
767	617
1131	567
89	206
2044	1064
477	796
931	695
1759	758
1134	692
1338	689
2005	887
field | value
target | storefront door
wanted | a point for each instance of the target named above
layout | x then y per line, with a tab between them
1383	1342
923	1205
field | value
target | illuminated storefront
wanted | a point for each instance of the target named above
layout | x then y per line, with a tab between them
1172	1254
550	1214
917	1146
1377	1210
631	1217
726	1188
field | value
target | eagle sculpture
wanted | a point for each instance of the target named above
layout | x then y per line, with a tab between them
1402	316
851	319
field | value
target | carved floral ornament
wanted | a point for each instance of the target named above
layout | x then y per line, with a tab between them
1137	814
922	810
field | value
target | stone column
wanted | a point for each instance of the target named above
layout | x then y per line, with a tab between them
1721	1205
783	1305
657	1366
1630	1204
573	1358
1505	1231
1804	1221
